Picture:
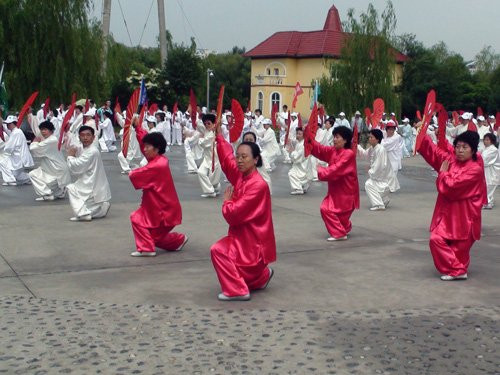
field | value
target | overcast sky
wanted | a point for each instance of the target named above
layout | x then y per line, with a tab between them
464	25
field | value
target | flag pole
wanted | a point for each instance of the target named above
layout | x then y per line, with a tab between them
1	71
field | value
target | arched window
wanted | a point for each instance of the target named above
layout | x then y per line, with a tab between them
276	99
260	100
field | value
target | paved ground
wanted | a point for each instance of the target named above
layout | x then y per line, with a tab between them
73	300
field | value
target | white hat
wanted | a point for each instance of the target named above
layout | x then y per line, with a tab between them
342	114
10	119
294	114
151	119
267	122
357	113
204	110
406	119
466	116
249	114
393	114
90	112
491	117
480	118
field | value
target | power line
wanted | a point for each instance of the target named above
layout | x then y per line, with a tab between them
125	22
189	23
147	19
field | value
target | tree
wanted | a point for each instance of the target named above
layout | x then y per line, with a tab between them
367	67
52	47
487	60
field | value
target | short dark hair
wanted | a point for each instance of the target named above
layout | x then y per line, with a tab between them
285	106
345	133
252	134
47	125
161	114
377	133
108	114
208	117
157	141
492	137
80	107
471	138
299	129
255	151
331	120
86	127
258	110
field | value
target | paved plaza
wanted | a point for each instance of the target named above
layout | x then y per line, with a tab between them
72	300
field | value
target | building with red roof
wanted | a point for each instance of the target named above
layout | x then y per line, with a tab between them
288	57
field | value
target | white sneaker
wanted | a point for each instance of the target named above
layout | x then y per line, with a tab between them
209	195
377	208
125	172
297	192
9	184
143	254
45	198
223	297
451	278
186	238
192	171
336	239
81	218
315	179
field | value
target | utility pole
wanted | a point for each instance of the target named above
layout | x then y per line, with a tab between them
163	32
106	17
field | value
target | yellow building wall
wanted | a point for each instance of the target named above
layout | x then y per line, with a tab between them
291	71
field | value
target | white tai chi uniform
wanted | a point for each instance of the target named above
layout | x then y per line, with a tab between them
108	135
300	172
321	138
164	128
51	178
282	118
16	157
491	158
134	154
177	129
192	148
382	179
89	194
209	181
270	149
394	147
482	130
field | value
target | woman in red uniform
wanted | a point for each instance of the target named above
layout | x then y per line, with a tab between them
160	210
241	258
342	177
461	187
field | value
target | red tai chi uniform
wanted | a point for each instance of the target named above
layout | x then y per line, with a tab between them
160	210
456	222
240	259
343	189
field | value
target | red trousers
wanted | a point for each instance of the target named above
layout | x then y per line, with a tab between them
236	280
450	257
146	239
337	224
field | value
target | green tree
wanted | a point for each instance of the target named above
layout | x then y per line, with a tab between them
367	67
52	47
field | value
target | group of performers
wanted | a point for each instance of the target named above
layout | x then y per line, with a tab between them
468	173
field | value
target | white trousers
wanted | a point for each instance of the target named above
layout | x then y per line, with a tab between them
297	183
286	155
44	184
191	163
86	207
177	136
209	182
491	194
12	175
127	162
378	197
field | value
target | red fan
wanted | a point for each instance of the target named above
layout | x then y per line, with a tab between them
25	108
46	108
174	111
497	120
378	111
239	118
288	121
153	109
144	109
480	111
248	106
86	109
192	103
354	142
368	116
419	115
456	120
118	108
274	112
471	126
310	131
97	119
299	121
65	123
429	109
220	101
442	120
132	106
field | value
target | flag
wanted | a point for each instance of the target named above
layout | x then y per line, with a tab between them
298	91
3	99
316	93
143	96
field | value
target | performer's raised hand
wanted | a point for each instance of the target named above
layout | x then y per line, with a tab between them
445	166
72	151
228	193
218	127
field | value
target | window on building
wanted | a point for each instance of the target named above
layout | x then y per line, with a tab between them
276	71
276	99
260	100
268	70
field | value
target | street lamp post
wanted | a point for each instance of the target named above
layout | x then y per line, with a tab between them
210	73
